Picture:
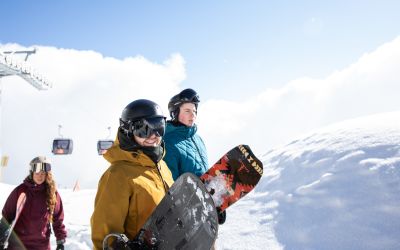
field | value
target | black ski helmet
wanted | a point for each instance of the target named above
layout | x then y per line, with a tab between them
136	111
185	96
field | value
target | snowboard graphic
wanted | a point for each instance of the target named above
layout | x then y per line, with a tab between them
186	218
233	176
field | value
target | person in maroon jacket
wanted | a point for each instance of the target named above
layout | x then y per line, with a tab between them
43	207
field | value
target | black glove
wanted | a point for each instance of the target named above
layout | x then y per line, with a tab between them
60	244
3	237
221	216
3	233
137	244
121	243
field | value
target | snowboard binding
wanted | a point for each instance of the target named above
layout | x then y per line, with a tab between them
122	242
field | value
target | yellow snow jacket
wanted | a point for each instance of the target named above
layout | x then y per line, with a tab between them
127	193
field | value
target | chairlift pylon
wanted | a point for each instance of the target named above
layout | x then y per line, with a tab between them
62	146
104	145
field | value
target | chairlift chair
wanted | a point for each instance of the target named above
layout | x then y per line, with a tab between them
62	146
104	145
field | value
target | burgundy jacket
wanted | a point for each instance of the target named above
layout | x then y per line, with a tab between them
32	227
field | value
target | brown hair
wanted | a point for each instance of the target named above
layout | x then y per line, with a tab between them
51	194
51	197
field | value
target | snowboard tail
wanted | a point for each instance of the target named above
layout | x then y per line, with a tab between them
233	176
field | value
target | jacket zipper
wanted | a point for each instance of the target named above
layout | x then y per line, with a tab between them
166	188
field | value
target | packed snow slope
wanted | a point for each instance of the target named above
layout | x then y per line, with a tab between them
336	188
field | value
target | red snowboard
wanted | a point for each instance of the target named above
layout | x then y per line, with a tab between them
233	176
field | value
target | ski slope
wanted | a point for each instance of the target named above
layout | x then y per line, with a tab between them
335	188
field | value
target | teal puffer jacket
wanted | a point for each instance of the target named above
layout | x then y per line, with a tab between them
185	150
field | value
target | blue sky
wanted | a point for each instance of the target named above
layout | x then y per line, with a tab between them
246	45
266	71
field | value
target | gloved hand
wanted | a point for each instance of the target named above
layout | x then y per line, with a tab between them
138	244
60	247
1	245
3	233
60	244
3	237
120	243
221	216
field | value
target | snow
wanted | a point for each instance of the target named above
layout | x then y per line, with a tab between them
335	188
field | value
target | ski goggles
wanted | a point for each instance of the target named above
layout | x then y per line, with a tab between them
144	128
40	167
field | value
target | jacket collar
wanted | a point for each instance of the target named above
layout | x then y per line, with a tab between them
181	129
33	186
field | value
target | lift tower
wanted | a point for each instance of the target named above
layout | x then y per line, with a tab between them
10	65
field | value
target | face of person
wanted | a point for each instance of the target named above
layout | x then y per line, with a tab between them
151	141
187	114
39	178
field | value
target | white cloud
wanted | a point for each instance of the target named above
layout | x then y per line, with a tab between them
88	95
370	85
90	92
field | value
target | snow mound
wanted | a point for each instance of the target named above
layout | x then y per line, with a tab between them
336	188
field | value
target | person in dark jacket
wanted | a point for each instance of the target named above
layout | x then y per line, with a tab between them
185	150
42	209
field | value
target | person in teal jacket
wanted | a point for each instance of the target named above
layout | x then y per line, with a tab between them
185	150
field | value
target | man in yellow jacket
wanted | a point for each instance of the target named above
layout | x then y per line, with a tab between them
137	179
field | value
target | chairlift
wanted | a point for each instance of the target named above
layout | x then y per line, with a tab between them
104	145
62	146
